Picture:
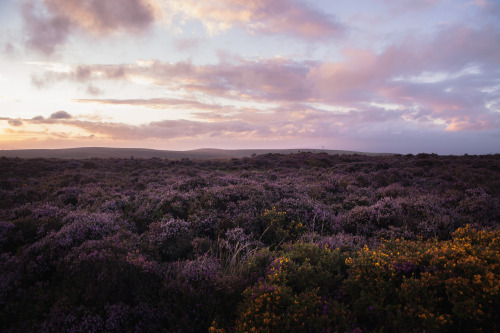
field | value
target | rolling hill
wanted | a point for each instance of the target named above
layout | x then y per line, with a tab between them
197	154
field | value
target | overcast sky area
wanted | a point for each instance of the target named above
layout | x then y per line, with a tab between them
399	76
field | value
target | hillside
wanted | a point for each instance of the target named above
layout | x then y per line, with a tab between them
197	154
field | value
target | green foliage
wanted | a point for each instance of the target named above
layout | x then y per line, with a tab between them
280	228
428	285
297	293
400	285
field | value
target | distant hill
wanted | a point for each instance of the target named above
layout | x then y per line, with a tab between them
197	154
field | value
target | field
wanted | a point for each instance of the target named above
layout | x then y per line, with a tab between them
299	242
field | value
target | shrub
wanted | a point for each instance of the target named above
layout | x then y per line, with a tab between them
297	293
399	285
433	286
279	228
131	244
169	239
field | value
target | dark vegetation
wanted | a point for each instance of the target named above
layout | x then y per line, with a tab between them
301	242
197	154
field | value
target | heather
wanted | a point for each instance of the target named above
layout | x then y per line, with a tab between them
300	242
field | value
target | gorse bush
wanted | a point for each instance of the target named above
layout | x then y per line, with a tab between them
398	286
433	285
301	242
279	228
300	291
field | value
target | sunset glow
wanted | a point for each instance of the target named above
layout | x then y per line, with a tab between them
385	76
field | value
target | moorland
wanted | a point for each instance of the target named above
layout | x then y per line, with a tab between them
274	242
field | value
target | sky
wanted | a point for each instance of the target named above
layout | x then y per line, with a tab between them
398	76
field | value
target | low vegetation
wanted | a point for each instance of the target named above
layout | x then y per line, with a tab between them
300	242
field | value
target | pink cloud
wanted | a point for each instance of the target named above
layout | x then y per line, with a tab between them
104	17
297	19
282	127
293	18
60	115
364	81
155	103
49	23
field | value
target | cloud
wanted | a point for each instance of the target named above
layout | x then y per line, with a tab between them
106	17
60	115
450	81
283	126
489	11
255	125
45	33
93	90
155	103
49	23
286	17
15	122
81	74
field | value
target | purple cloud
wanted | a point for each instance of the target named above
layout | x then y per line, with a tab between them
450	81
45	32
60	115
49	23
352	130
155	103
104	17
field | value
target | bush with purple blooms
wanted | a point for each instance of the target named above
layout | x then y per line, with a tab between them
305	241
